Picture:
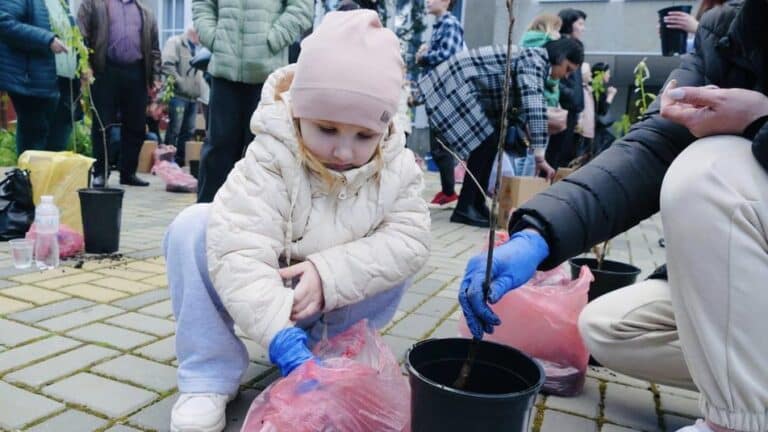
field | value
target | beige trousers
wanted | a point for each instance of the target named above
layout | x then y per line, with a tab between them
707	328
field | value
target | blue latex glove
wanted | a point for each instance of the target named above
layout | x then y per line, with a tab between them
288	350
514	263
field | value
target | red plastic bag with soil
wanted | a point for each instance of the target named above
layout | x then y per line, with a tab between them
356	386
541	319
71	242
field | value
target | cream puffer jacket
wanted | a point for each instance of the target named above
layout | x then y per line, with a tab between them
364	235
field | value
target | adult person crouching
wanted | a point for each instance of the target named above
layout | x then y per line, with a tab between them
701	327
463	99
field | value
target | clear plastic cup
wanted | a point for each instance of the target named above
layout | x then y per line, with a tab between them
21	251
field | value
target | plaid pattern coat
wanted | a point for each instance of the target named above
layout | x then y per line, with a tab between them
463	96
447	40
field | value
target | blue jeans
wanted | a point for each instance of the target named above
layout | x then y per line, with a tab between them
181	121
212	359
33	121
524	166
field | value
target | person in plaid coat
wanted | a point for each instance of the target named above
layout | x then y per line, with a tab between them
463	99
447	40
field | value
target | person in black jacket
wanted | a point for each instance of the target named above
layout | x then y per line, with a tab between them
563	147
603	119
702	160
28	69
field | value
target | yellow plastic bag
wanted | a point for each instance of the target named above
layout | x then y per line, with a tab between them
59	174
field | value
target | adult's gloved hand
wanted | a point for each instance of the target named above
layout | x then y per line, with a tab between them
514	263
288	349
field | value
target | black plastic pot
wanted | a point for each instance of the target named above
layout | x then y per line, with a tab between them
612	276
672	41
194	167
499	394
101	209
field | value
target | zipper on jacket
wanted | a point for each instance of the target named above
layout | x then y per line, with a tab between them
241	20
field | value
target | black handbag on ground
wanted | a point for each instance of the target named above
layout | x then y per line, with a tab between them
17	210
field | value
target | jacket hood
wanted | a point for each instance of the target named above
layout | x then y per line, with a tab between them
533	38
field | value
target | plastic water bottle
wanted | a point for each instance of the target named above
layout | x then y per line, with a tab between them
47	229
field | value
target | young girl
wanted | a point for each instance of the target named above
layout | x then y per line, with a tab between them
327	186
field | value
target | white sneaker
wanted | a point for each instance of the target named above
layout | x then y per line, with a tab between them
199	412
700	426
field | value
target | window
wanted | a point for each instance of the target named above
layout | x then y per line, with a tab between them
172	19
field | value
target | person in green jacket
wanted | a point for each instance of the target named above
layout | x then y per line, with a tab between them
249	39
544	28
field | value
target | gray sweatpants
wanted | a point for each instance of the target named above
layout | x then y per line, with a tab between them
706	328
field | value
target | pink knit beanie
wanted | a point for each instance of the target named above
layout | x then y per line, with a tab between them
349	71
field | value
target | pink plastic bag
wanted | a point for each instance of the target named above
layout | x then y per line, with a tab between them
541	319
164	153
70	241
176	180
357	386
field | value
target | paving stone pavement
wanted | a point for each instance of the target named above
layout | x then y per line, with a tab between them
90	346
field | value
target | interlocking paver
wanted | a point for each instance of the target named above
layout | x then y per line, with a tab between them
414	326
680	405
146	373
12	333
163	350
51	310
436	306
555	421
80	317
60	365
93	292
447	329
122	428
399	345
630	406
125	285
70	421
29	293
158	281
100	394
156	416
67	281
586	404
162	309
427	286
22	355
677	391
614	428
609	375
410	300
146	267
19	407
111	335
6	283
141	300
124	273
9	305
674	422
450	293
37	276
144	323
